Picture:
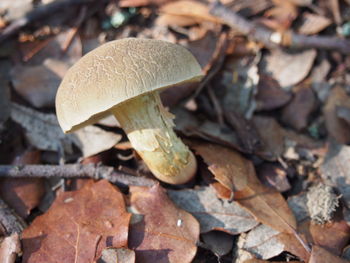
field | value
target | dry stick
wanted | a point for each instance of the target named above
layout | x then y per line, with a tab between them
74	171
272	39
38	13
216	63
9	220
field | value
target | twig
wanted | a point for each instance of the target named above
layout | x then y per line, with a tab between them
74	30
272	39
37	13
9	220
216	63
74	171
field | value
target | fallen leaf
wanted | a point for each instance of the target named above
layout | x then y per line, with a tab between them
221	191
189	8
335	169
283	14
297	113
337	127
273	175
220	243
175	20
289	68
43	131
238	174
230	171
160	232
312	24
80	224
38	84
333	236
242	73
321	255
265	243
272	137
245	130
10	248
270	96
213	213
115	255
23	194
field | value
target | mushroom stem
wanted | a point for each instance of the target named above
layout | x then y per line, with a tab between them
149	127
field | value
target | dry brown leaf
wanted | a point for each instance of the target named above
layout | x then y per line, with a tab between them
160	232
238	174
175	20
296	114
190	8
265	243
289	68
23	194
313	24
115	255
10	247
213	213
337	127
283	14
321	255
292	245
333	236
270	96
78	226
230	171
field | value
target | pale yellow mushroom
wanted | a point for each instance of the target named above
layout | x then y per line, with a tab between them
123	78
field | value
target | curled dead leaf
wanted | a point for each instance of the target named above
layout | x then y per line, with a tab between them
238	174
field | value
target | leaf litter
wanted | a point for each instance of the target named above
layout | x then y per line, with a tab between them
254	113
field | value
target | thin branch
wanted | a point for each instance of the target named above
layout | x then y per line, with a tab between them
70	171
272	39
9	220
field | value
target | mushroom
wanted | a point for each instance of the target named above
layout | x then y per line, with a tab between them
123	78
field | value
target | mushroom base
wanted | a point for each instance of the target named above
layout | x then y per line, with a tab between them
149	127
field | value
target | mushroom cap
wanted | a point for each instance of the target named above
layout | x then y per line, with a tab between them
119	71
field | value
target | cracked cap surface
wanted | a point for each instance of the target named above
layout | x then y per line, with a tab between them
116	72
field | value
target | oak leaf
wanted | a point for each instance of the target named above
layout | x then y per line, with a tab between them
78	226
160	232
